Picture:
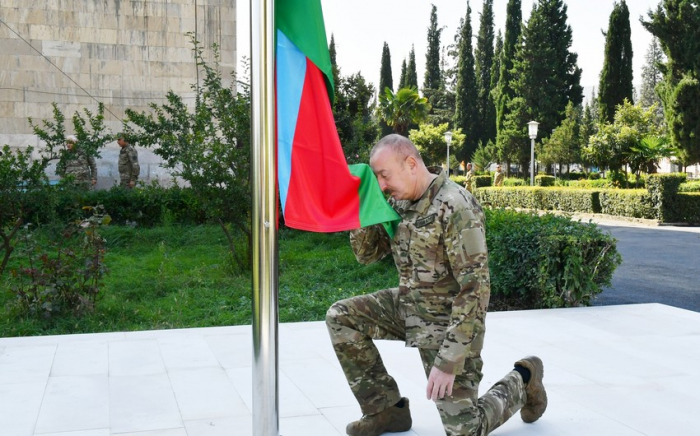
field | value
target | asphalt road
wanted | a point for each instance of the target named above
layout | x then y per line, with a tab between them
659	265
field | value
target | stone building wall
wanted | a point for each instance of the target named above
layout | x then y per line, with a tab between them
123	53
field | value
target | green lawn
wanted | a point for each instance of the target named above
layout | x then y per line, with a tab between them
176	277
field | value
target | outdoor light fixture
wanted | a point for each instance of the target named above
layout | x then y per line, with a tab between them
448	140
532	131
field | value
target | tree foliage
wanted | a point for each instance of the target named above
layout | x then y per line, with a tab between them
403	108
505	93
611	146
385	77
651	77
89	128
563	147
545	78
411	71
208	146
430	141
616	77
433	74
466	93
483	62
676	23
23	184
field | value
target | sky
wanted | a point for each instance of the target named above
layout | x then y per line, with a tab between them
361	27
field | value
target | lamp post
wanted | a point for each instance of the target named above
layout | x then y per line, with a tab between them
532	131
448	140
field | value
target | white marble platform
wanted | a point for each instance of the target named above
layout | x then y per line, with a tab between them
612	370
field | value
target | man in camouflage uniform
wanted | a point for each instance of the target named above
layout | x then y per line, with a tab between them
498	176
439	249
79	164
129	168
469	182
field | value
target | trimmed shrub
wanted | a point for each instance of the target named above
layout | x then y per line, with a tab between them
546	261
460	180
689	207
635	203
564	199
663	189
693	186
514	181
482	181
544	180
591	184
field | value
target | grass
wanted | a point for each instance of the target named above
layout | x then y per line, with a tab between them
179	277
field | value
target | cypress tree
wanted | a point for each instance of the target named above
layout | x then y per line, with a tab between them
433	74
412	72
545	77
495	70
486	111
385	78
334	65
402	78
466	91
651	77
676	23
505	93
616	77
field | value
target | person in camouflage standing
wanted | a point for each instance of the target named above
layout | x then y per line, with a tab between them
129	168
498	176
79	164
439	249
469	182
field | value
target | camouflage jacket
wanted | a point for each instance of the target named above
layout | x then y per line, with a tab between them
498	178
81	166
129	168
440	252
469	180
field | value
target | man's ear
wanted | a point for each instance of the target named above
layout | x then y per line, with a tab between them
412	163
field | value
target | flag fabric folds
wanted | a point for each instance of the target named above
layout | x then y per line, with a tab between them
318	190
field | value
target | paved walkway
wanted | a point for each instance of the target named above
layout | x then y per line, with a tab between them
614	370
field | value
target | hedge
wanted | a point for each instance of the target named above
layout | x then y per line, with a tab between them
634	203
527	197
546	261
147	206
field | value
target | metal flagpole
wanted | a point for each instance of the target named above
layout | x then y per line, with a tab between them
265	260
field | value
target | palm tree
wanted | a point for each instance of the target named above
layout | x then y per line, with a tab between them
403	108
645	155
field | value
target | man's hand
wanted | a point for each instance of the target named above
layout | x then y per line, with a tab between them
439	384
132	183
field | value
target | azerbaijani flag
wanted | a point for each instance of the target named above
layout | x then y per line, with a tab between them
319	192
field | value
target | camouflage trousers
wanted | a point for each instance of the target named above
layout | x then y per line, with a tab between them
124	183
354	323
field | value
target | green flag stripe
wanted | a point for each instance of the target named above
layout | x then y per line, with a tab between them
302	22
374	208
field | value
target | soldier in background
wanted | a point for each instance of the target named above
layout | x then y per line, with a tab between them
129	168
79	164
469	182
498	176
439	249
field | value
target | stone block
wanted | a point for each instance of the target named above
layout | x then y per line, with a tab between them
69	66
13	94
61	49
155	39
108	36
10	62
155	24
40	31
88	34
7	109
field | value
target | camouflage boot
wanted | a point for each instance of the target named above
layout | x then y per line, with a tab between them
393	419
536	402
